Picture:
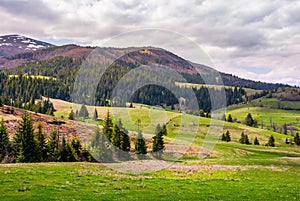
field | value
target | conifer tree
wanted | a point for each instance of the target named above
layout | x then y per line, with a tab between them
271	141
4	140
67	153
297	139
285	131
242	139
246	140
249	120
100	148
63	151
164	130
229	118
223	137
41	143
53	146
71	115
124	138
76	144
116	137
108	126
83	112
256	142
140	144
95	116
71	153
227	136
158	142
24	142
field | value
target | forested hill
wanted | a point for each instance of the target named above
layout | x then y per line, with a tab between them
61	65
23	62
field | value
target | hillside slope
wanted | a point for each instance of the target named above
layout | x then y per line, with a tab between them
16	44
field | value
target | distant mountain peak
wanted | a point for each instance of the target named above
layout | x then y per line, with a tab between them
16	44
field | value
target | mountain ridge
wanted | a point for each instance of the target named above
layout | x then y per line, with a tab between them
15	44
143	55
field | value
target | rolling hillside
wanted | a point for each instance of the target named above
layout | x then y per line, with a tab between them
43	51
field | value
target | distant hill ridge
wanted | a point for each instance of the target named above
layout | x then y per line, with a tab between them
16	50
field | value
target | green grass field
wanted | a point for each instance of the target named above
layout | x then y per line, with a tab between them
267	115
208	179
35	77
232	171
198	86
275	103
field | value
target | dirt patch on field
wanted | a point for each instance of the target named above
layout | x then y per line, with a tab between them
68	129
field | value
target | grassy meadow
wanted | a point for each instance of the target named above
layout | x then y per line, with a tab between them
232	171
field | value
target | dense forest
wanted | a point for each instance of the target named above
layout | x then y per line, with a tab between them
25	86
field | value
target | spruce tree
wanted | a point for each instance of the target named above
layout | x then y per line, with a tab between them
124	138
63	150
41	143
116	137
223	137
256	142
53	146
227	136
297	139
120	140
164	130
247	141
249	120
71	153
95	116
271	141
158	142
76	144
229	118
67	153
140	144
83	112
242	139
24	142
99	147
4	140
285	130
108	126
71	115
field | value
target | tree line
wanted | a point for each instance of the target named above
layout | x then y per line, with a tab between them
112	143
63	70
244	139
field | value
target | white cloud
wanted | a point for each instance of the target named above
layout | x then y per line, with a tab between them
261	34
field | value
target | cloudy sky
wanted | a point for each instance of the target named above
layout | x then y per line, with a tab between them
252	39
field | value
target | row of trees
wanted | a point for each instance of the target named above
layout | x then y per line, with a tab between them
62	72
32	145
114	142
83	113
244	139
41	106
29	145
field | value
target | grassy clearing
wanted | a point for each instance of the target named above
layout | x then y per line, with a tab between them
35	77
275	103
198	86
231	172
201	181
267	115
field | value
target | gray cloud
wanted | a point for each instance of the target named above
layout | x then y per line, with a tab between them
258	34
32	9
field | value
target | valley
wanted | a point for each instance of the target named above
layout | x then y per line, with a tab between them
39	83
